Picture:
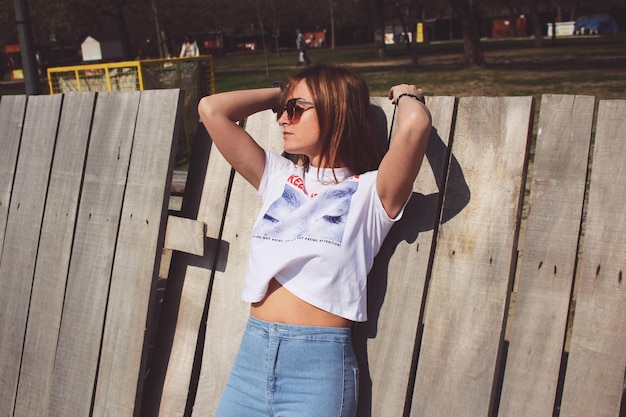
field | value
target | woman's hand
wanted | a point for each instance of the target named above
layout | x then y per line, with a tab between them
410	90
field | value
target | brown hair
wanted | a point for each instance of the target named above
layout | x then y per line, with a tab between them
342	103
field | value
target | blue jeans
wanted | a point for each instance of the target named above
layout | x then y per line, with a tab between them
284	370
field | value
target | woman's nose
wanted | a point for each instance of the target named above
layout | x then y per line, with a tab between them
283	119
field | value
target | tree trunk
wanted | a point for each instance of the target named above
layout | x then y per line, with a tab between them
274	20
120	19
474	56
537	23
332	25
267	62
157	29
405	27
380	43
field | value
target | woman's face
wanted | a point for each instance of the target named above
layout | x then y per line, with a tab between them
303	136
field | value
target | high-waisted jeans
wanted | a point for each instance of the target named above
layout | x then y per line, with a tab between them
284	370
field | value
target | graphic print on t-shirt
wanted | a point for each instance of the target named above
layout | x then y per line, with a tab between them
295	215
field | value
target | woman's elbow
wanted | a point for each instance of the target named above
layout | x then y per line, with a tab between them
420	120
205	108
418	125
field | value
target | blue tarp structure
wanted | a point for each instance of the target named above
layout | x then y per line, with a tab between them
596	25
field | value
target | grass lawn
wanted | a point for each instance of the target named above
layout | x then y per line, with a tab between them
577	65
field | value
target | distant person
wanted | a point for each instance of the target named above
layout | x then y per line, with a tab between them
303	58
189	48
40	71
140	54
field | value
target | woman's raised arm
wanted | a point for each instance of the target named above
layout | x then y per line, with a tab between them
402	162
220	113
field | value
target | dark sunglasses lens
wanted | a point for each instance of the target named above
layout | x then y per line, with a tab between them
293	111
290	108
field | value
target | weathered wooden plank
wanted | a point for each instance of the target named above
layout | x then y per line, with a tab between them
195	276
595	370
549	256
185	235
12	110
188	282
21	241
472	269
92	254
227	312
44	318
216	186
137	254
180	365
385	343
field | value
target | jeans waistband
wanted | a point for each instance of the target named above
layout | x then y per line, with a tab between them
293	331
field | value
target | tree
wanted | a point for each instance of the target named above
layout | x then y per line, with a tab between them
467	12
537	22
48	18
331	6
267	63
407	12
269	17
160	35
83	14
377	9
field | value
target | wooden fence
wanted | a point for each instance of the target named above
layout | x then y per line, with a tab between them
84	186
498	293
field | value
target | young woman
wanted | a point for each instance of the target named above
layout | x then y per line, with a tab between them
323	220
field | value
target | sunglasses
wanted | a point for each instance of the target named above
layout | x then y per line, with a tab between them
294	112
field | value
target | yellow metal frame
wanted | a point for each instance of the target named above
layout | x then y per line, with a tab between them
77	69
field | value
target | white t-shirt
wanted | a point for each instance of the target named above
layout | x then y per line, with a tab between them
318	238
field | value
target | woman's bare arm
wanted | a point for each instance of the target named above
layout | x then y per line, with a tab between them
401	164
220	113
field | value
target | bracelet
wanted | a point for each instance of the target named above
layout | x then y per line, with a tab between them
279	84
420	99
